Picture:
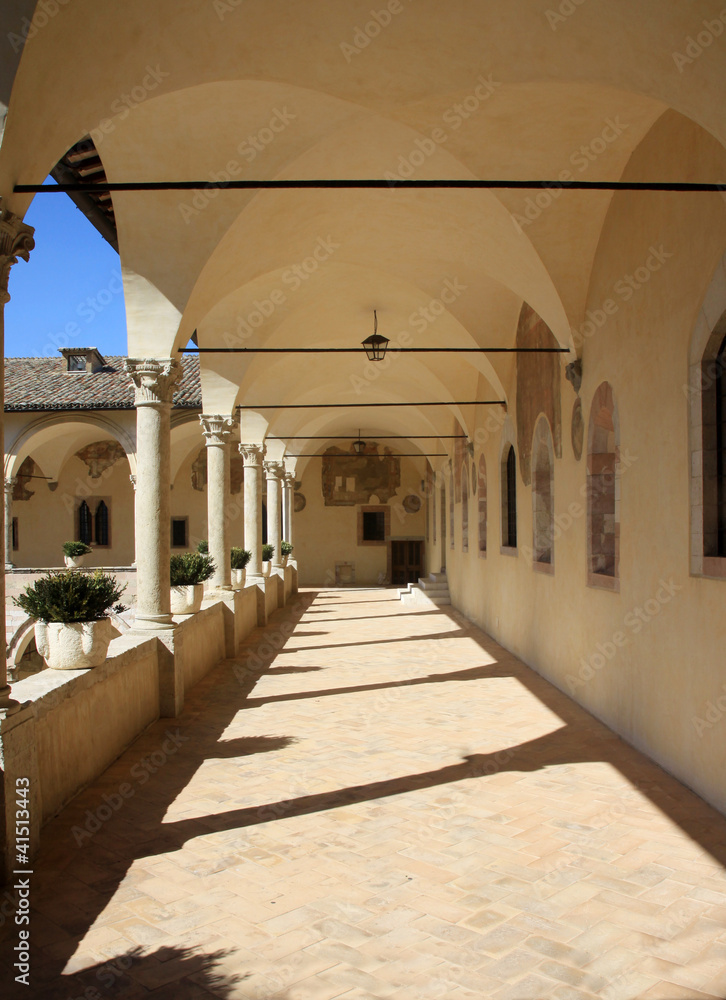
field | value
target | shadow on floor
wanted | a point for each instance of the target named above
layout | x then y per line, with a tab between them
86	854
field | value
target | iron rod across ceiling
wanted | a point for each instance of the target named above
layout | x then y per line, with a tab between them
359	350
413	454
378	437
100	187
331	406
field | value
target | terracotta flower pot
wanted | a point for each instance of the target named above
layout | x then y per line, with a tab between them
238	578
74	645
187	600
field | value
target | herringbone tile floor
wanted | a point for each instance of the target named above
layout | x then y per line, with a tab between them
378	801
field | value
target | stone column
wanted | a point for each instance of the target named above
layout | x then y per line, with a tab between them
274	472
252	455
16	240
154	380
288	493
9	489
217	432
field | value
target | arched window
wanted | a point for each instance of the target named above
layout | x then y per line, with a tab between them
482	507
101	524
713	437
706	394
543	508
603	500
451	509
85	524
464	510
509	499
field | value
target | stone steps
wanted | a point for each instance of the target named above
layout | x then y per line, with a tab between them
434	589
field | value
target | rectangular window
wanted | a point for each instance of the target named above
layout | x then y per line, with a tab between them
15	535
179	532
374	526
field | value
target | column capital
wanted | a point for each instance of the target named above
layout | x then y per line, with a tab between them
154	379
252	454
289	479
132	479
274	470
10	484
217	428
16	240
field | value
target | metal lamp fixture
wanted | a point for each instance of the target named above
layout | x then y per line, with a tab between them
375	345
359	446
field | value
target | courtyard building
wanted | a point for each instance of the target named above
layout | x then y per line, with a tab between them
508	515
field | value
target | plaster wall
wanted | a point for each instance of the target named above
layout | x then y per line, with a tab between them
84	720
325	536
199	644
647	660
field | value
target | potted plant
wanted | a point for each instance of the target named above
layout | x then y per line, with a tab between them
203	547
285	551
268	552
72	628
74	553
240	558
188	571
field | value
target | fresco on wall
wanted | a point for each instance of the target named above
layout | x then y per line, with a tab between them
23	476
349	479
100	455
538	387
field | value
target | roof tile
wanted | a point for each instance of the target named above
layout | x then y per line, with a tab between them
44	384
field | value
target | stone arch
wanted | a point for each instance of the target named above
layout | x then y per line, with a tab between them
603	491
543	498
23	444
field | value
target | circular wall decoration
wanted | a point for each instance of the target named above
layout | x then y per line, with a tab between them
578	429
300	502
412	504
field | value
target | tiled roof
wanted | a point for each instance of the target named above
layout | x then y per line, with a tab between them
44	384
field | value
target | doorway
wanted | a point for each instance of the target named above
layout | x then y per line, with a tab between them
406	562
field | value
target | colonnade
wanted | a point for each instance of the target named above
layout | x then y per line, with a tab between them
155	381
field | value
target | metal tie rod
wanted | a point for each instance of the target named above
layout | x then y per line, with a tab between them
101	187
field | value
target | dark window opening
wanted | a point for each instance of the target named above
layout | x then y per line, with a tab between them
374	526
510	522
85	524
101	525
76	362
16	544
179	532
721	451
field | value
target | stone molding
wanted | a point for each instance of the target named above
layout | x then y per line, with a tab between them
154	379
275	470
16	240
217	428
252	454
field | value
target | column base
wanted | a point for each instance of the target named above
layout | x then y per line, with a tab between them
152	623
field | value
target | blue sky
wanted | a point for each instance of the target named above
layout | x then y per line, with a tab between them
69	294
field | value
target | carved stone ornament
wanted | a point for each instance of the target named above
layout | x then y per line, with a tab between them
154	379
217	428
16	240
252	454
274	470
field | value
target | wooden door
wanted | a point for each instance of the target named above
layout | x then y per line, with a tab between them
406	562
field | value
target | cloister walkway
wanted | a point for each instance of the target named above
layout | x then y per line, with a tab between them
375	800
